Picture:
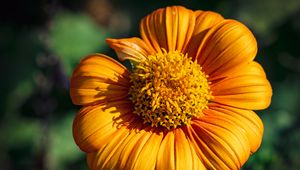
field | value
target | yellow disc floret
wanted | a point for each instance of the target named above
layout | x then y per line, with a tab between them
169	89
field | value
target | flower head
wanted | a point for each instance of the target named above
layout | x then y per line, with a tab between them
187	103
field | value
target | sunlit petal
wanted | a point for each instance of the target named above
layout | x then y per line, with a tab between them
247	89
204	21
137	150
220	143
170	28
166	155
246	121
226	46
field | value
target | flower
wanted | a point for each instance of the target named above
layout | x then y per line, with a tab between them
187	103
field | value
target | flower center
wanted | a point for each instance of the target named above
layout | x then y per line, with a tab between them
169	89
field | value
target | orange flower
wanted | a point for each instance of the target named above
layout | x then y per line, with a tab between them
187	103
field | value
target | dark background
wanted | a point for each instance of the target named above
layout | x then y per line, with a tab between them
42	41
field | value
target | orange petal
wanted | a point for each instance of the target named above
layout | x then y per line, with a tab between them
109	156
204	21
226	46
95	125
177	152
108	149
90	159
251	69
170	28
183	154
219	143
247	89
137	150
133	49
246	121
99	79
149	151
129	151
198	162
166	155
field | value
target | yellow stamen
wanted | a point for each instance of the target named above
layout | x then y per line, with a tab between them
169	89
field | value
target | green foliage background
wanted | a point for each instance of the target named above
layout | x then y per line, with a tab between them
42	41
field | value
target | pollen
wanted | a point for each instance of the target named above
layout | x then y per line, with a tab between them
169	90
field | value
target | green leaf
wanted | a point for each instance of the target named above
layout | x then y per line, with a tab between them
62	149
74	36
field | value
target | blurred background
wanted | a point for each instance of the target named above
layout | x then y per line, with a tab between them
41	41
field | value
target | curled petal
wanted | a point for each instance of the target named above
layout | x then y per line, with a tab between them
99	79
170	28
133	49
226	46
247	89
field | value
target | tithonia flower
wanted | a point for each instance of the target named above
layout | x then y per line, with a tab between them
186	104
